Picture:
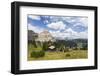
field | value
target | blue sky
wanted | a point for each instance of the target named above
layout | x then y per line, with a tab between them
59	26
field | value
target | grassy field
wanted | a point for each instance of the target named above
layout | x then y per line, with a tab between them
74	54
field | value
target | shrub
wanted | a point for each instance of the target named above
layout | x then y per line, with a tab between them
37	54
66	50
75	48
45	46
68	55
84	48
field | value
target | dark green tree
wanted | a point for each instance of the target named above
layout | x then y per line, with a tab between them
45	46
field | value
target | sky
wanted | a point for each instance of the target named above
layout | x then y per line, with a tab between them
62	27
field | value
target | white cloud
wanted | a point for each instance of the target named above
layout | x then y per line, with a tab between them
79	24
69	19
75	35
34	28
46	21
57	25
70	34
58	34
34	17
61	35
84	20
46	16
82	34
69	30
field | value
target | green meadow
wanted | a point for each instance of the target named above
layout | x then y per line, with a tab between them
56	55
76	54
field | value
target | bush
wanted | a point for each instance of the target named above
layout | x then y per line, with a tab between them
66	50
84	48
45	46
68	55
75	48
37	54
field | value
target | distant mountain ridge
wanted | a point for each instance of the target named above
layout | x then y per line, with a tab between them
46	34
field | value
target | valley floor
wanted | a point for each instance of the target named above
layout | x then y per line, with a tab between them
74	54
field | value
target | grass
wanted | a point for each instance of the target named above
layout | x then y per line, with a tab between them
74	54
31	48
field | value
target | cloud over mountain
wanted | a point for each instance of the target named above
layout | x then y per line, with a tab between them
57	25
60	26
